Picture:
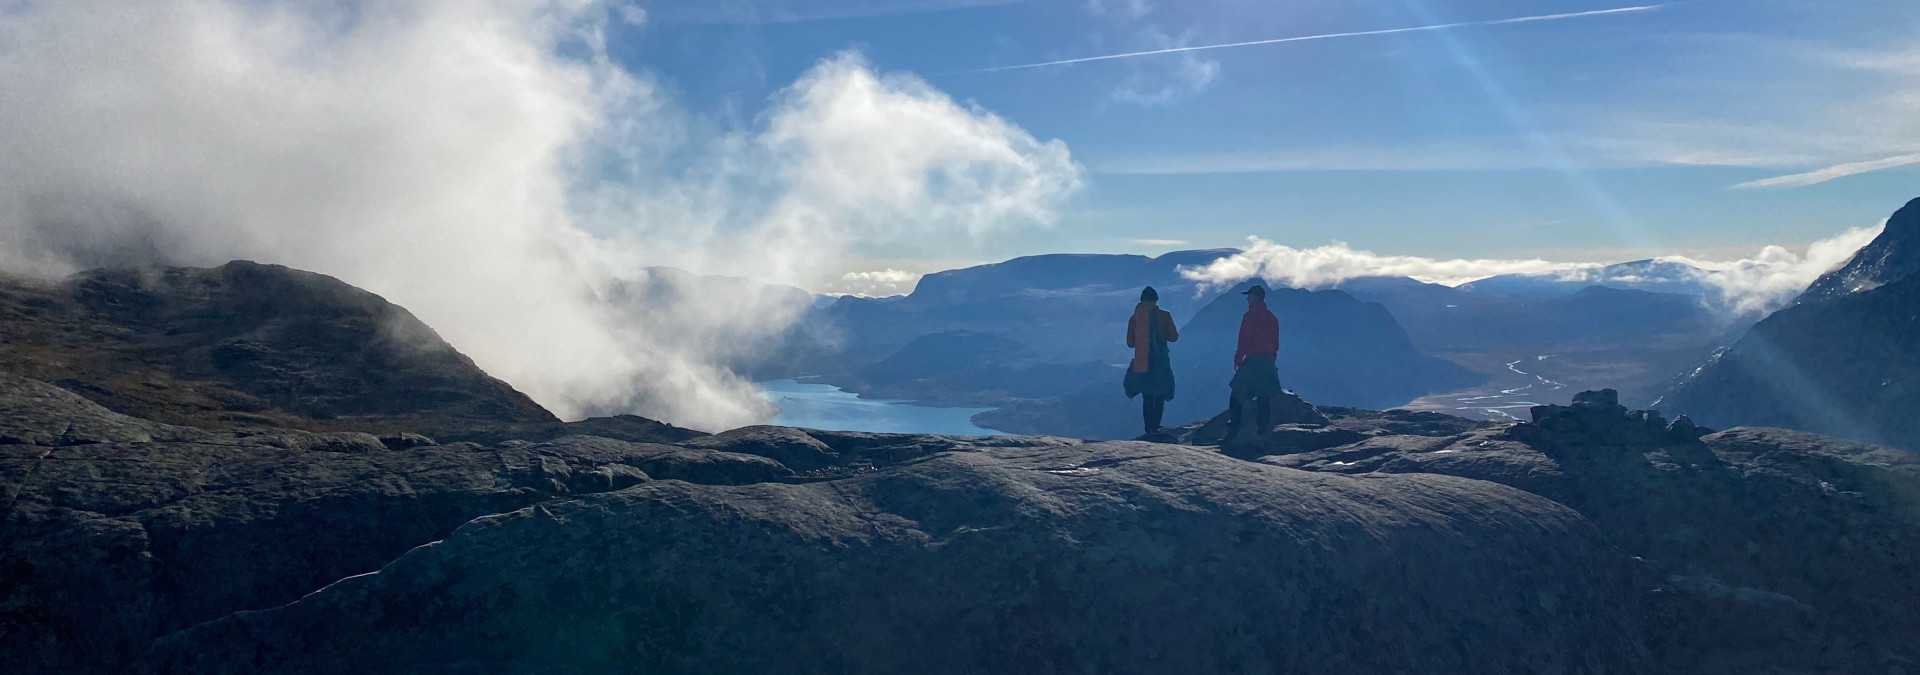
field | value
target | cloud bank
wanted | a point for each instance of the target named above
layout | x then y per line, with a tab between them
484	164
1747	286
879	283
1326	266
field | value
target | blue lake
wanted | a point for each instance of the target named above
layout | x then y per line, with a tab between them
821	406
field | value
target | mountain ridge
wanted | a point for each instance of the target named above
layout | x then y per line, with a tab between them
1843	359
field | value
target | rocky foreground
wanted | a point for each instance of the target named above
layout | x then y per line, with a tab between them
252	469
1593	540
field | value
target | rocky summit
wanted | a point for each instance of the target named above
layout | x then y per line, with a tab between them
1590	539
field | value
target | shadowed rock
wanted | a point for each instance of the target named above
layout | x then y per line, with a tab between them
1773	549
117	530
1119	558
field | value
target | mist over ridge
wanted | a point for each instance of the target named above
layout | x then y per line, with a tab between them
486	165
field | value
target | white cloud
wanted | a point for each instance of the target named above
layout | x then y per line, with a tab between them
878	283
1819	176
1745	286
1329	265
1165	81
797	11
445	154
1775	275
1832	111
1132	9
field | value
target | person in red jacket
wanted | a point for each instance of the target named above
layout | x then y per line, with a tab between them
1255	378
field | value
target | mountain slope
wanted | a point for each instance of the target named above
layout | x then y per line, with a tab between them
251	345
247	344
1843	360
1847	367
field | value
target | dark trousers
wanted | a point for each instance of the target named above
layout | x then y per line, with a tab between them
1152	408
1262	415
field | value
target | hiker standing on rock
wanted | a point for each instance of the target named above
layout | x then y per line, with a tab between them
1150	376
1255	378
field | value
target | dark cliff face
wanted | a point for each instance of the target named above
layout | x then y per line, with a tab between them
1843	360
247	345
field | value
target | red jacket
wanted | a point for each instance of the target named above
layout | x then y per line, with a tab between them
1259	334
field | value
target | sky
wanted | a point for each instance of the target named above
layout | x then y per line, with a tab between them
1602	137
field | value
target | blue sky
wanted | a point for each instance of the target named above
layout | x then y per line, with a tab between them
1603	137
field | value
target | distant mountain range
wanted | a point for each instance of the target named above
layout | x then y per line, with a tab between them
1843	360
1060	315
1039	337
1060	306
1334	350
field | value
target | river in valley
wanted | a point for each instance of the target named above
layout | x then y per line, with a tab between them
1506	396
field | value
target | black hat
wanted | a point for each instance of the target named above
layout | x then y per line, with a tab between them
1149	295
1255	291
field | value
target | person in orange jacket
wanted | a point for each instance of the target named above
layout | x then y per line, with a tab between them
1150	375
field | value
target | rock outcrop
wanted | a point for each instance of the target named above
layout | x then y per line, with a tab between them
1770	549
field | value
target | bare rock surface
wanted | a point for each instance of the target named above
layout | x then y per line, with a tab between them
117	530
1114	557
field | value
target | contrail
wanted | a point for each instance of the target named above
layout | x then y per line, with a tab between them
1329	36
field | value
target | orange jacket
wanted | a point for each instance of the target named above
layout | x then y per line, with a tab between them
1137	332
